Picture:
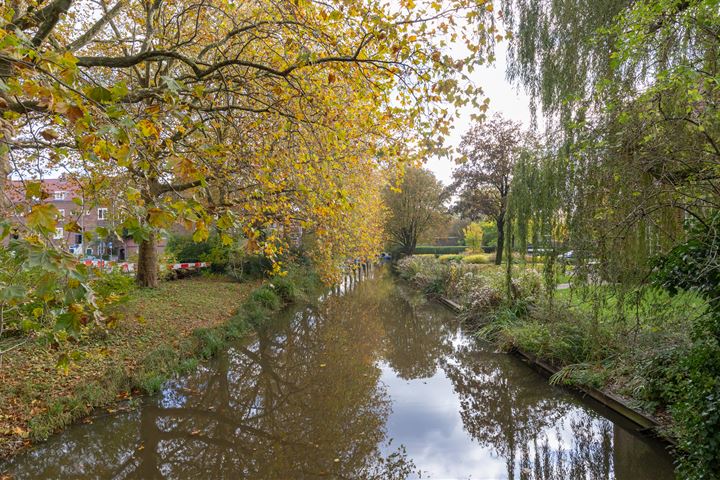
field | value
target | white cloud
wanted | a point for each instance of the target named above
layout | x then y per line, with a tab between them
504	97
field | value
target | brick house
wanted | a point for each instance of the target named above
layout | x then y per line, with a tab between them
67	197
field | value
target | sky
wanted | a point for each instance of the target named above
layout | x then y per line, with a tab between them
505	98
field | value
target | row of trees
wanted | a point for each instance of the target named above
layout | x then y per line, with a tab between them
243	119
481	185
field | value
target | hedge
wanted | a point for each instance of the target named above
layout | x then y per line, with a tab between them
432	249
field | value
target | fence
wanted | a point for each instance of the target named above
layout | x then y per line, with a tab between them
128	267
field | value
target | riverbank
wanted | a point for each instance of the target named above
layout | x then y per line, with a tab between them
157	333
622	342
371	381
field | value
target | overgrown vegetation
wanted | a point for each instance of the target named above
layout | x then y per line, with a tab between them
645	344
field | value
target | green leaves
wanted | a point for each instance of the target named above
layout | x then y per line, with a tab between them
136	230
173	85
119	90
160	218
12	293
69	322
43	217
33	190
201	232
100	94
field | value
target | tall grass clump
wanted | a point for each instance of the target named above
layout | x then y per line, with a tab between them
478	289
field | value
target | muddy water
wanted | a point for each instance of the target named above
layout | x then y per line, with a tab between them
372	382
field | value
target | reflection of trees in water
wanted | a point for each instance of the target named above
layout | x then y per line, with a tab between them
415	340
503	408
302	401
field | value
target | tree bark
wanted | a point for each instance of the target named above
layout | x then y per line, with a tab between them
7	133
147	272
500	222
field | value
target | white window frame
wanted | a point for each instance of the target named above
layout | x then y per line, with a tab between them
102	213
58	195
59	233
62	212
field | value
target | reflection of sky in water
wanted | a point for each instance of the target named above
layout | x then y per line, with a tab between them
426	420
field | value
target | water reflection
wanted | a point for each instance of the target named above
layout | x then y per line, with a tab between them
370	383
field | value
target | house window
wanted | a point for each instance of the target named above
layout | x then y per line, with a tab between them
58	233
59	195
102	213
78	238
62	212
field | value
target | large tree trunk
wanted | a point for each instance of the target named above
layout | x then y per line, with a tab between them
147	271
4	172
500	222
6	134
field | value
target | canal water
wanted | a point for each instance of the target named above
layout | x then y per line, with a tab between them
372	381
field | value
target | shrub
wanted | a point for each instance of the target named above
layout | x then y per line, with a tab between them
481	300
113	283
450	258
185	249
479	258
266	297
527	284
254	266
427	273
284	288
686	378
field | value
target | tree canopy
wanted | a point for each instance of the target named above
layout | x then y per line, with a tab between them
415	206
482	180
221	115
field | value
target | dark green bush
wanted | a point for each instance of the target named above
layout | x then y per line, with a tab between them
185	249
266	297
256	266
690	384
285	289
687	379
113	283
228	259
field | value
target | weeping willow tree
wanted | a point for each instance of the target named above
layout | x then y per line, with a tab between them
537	210
631	89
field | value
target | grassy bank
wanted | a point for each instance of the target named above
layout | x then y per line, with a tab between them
637	342
158	333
